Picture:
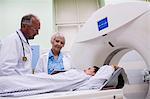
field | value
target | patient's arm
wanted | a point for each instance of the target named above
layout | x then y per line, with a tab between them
115	66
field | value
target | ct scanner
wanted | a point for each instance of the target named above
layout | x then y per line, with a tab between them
109	33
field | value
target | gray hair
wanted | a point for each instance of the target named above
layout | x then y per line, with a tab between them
27	19
57	35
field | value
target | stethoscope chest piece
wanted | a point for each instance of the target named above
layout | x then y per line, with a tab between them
24	58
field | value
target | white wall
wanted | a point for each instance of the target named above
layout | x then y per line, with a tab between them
13	10
71	16
119	1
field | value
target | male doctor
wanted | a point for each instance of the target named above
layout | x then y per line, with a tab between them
15	52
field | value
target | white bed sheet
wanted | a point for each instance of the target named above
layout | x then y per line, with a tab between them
84	94
25	85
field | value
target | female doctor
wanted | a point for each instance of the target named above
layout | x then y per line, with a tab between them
54	60
15	52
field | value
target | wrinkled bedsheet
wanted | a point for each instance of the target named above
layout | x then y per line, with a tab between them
23	85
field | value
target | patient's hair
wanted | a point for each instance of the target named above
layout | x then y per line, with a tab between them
96	68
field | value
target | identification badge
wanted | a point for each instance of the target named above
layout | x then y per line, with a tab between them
24	58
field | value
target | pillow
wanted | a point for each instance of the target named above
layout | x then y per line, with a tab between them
118	79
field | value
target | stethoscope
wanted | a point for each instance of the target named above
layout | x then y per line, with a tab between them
24	58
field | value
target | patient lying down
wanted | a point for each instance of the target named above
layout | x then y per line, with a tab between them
74	79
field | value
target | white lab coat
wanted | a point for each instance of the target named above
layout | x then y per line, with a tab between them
11	54
43	62
0	44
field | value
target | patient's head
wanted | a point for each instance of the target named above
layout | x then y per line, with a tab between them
91	70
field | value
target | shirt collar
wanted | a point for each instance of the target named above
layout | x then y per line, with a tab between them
52	55
22	36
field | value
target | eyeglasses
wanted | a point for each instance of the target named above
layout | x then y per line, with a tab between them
34	29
